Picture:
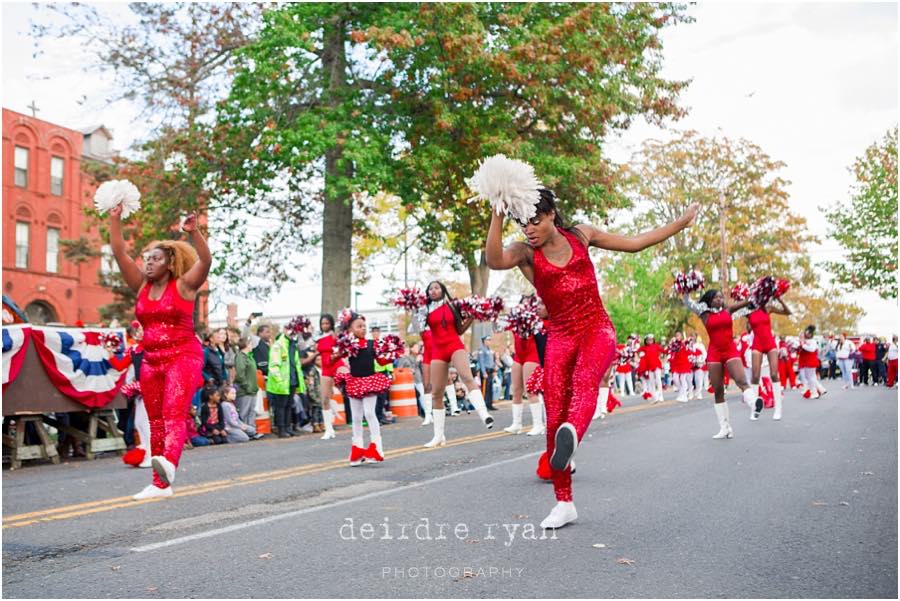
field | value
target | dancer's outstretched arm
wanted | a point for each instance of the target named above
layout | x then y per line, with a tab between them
783	310
498	257
609	241
131	273
734	307
196	275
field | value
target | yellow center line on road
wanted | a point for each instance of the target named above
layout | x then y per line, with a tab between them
91	507
99	506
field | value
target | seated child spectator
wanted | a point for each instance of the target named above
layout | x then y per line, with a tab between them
212	422
235	429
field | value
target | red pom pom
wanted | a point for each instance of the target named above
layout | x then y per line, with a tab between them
686	283
131	390
544	472
480	308
346	345
111	341
762	290
781	286
740	292
389	347
134	457
523	319
410	299
299	325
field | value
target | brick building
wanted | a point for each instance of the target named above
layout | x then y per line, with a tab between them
45	189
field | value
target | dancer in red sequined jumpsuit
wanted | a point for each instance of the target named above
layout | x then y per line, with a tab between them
764	344
722	353
581	340
167	287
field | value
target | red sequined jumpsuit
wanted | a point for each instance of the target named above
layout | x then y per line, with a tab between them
171	371
581	344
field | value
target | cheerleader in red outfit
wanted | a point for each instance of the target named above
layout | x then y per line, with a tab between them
441	316
680	363
525	362
764	345
330	366
363	385
809	364
581	338
722	353
171	369
786	372
653	365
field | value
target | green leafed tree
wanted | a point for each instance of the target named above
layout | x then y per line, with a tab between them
340	99
635	295
866	226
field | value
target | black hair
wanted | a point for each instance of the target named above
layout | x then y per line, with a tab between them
374	328
708	296
329	317
810	330
546	204
445	294
207	392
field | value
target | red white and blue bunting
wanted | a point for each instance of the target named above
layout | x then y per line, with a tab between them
78	364
15	345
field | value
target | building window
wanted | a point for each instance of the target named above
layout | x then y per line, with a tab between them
21	245
56	176
52	250
107	260
21	167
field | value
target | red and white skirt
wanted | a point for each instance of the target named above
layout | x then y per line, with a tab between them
358	388
535	383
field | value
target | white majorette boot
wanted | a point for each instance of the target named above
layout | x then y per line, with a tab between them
152	491
753	401
439	440
563	513
454	405
537	419
516	427
725	430
778	393
566	441
477	400
602	397
426	405
328	420
164	469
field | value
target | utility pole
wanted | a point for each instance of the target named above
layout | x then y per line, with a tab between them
724	268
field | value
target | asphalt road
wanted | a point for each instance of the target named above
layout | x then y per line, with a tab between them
804	507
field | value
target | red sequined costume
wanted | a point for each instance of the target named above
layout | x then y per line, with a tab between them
445	338
721	340
325	346
761	324
581	345
171	370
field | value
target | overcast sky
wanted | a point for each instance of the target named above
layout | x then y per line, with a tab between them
812	84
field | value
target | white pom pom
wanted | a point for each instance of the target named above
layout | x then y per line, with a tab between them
118	192
509	185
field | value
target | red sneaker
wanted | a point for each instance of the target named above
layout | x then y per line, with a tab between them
543	469
372	454
807	394
612	402
647	396
710	390
357	455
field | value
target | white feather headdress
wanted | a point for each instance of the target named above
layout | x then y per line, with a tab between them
509	185
115	192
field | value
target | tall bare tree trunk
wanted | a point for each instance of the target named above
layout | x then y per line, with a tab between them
337	221
479	274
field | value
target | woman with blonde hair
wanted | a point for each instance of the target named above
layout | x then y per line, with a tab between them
166	285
